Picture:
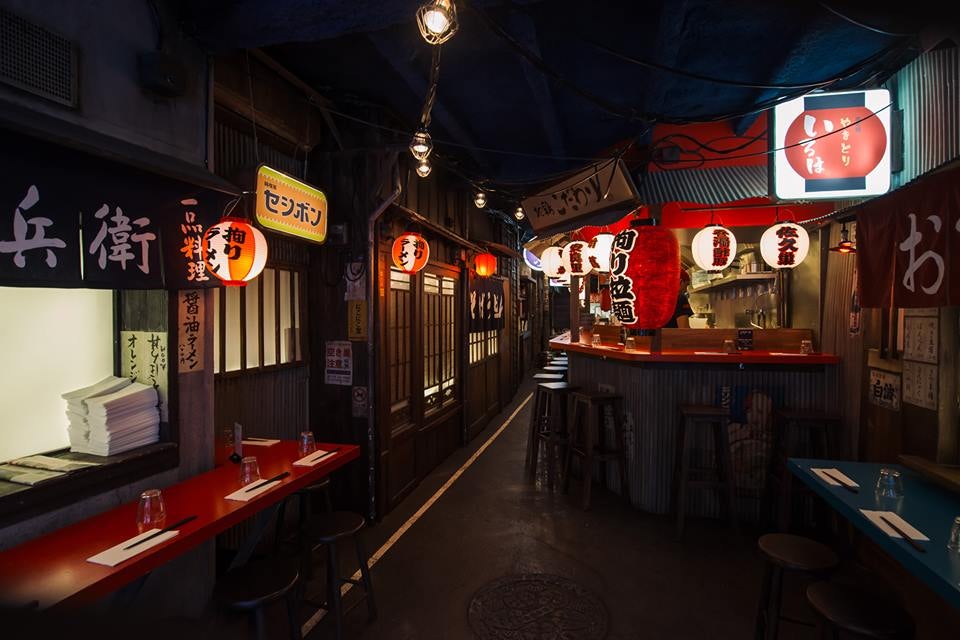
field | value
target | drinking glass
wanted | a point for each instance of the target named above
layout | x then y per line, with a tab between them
151	513
249	470
889	484
307	444
595	339
953	541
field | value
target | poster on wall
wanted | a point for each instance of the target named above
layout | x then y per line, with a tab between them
486	304
189	321
885	389
338	368
921	384
921	338
143	357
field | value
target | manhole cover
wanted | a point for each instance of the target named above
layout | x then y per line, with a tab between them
535	606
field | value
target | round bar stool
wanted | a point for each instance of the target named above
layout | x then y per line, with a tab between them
255	585
548	426
785	552
587	441
719	476
810	434
326	530
862	613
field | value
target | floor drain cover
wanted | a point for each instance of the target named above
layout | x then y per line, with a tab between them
535	606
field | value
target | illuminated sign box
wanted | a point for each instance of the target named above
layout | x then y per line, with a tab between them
832	145
286	205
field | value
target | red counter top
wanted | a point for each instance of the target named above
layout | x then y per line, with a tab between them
562	343
53	569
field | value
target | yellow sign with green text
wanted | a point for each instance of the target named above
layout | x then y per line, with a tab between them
291	207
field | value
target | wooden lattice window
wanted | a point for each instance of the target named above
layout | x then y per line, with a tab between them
439	341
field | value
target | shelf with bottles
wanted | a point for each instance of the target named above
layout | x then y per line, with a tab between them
735	279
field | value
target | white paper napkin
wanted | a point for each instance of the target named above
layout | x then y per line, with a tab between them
836	473
902	524
314	458
115	555
242	495
260	443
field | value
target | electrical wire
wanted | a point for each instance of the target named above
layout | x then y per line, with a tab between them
863	25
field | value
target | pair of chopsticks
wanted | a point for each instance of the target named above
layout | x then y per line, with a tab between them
311	458
279	476
913	543
849	487
161	532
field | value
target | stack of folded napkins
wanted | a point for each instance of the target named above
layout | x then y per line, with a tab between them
112	416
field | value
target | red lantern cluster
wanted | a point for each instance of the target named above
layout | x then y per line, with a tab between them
486	264
645	276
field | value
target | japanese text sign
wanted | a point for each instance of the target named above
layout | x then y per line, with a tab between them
486	304
832	145
884	389
338	367
190	321
291	207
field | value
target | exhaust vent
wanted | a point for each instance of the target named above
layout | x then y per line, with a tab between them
37	61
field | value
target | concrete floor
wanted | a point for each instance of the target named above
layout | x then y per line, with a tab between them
494	522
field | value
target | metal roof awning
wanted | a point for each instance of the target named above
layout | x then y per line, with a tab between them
715	185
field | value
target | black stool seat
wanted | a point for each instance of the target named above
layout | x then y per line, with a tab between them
797	553
861	612
257	583
330	527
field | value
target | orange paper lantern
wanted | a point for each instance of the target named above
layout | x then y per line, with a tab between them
234	251
486	264
411	252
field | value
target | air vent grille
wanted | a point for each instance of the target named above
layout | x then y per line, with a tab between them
37	60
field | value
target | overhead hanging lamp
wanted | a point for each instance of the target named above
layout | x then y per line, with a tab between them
845	245
234	251
784	245
600	248
518	214
421	145
437	21
486	264
480	200
424	168
714	248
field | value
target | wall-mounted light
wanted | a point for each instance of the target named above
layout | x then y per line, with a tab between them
424	168
437	21
518	214
480	200
421	145
845	245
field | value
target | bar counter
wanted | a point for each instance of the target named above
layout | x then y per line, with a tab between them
753	384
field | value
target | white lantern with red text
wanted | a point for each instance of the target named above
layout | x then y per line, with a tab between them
576	258
600	249
234	251
552	262
784	245
714	248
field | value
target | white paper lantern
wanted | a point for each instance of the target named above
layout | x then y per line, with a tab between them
784	245
552	262
601	247
714	248
576	258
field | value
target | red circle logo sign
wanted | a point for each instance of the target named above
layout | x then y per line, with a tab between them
853	144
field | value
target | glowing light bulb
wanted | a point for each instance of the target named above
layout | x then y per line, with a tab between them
480	200
436	20
421	145
518	214
424	168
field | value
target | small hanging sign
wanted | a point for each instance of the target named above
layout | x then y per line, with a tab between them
290	207
486	304
357	319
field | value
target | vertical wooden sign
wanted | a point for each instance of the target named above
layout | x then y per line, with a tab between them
190	331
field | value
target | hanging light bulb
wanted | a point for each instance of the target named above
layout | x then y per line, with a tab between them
421	145
424	168
480	200
518	214
846	245
437	20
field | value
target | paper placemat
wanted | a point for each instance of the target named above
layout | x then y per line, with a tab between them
242	495
265	442
116	554
834	472
906	527
314	458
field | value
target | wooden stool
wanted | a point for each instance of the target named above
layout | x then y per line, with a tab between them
720	476
325	530
253	586
784	552
548	425
587	419
865	614
791	428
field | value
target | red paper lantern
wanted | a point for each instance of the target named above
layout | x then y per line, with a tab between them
234	251
645	276
486	264
411	252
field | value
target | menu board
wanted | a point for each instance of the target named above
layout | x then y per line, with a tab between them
920	384
921	338
143	357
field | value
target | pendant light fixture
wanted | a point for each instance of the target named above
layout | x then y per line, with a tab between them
480	200
421	145
486	264
846	245
424	168
518	214
552	262
437	21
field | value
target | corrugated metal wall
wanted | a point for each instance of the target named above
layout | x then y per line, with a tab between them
652	398
928	92
235	150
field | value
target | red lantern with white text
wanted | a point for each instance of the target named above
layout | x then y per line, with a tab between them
645	276
234	251
486	264
410	252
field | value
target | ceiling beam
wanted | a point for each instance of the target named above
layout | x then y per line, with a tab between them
399	58
523	29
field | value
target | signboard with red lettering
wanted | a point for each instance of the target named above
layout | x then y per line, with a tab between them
832	145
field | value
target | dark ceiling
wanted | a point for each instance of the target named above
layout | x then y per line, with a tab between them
546	85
